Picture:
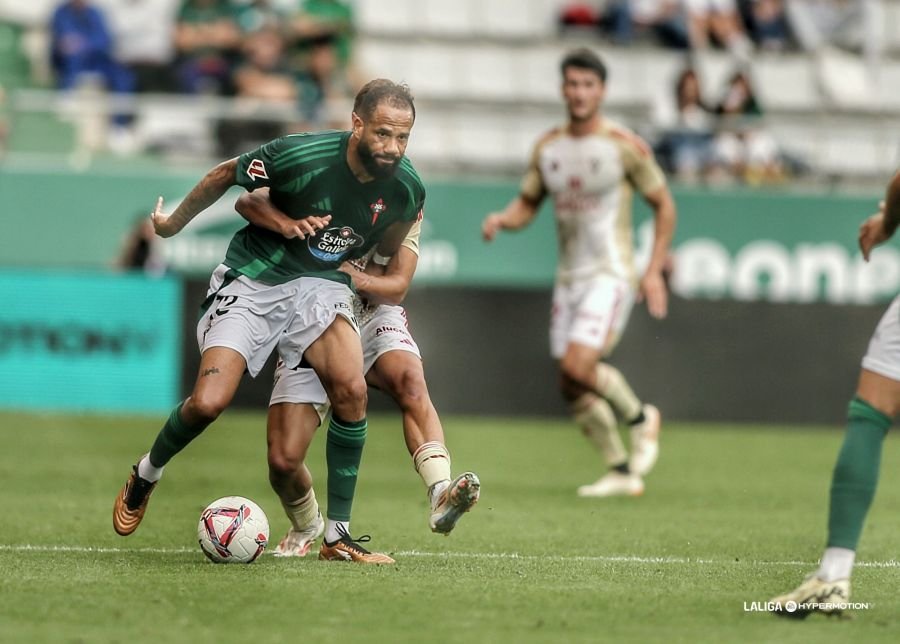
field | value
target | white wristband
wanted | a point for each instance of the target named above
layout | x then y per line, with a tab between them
381	260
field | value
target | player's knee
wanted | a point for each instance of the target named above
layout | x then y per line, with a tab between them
409	389
282	465
207	406
575	379
577	371
349	397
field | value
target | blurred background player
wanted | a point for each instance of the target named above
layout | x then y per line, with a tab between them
871	412
589	167
392	363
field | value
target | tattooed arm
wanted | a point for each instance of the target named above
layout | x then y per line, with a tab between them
210	188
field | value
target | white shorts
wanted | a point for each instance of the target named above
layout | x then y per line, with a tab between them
318	304
589	312
385	330
883	354
253	318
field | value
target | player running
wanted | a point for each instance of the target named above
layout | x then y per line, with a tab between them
590	167
392	363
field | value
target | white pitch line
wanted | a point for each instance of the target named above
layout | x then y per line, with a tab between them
891	563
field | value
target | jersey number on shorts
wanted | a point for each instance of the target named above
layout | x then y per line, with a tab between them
225	301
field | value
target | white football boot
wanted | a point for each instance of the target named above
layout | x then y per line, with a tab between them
645	442
814	595
614	484
297	543
454	501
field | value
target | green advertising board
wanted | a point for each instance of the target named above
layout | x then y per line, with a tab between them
88	341
739	244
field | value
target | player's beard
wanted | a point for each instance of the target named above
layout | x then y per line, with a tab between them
370	162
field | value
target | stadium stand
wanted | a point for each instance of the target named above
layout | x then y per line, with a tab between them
485	73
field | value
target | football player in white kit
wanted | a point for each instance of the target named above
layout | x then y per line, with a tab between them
392	363
590	168
869	416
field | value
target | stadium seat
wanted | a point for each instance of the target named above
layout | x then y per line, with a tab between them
395	17
786	82
448	19
513	19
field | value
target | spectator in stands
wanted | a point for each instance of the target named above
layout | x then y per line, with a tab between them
254	15
320	18
686	142
739	98
267	91
207	39
322	82
767	24
81	50
719	20
742	148
663	19
143	31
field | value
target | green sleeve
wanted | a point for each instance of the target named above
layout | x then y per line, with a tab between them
260	168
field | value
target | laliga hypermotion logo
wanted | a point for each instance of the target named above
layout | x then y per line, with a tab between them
333	244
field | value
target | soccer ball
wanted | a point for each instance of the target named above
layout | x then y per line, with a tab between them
233	530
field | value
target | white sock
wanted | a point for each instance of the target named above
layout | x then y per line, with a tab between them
148	472
837	563
334	530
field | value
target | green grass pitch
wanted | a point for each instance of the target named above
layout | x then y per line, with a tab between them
731	515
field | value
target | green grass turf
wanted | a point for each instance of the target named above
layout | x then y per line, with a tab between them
733	514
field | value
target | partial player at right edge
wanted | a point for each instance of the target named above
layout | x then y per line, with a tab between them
869	416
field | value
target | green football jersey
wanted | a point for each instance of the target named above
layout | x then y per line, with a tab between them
307	175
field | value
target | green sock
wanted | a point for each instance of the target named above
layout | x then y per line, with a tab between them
856	473
173	437
343	453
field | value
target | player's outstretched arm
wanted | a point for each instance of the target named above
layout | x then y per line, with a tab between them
653	283
881	226
518	213
389	287
257	208
210	188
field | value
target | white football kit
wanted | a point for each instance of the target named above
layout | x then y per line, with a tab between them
591	180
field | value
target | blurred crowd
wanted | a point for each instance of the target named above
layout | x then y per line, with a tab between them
718	135
293	54
720	140
739	26
289	65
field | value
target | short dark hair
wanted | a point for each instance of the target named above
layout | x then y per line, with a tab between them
583	58
382	90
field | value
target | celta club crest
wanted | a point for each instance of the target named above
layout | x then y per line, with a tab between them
377	208
257	169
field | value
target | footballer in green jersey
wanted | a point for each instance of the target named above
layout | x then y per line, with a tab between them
348	192
308	174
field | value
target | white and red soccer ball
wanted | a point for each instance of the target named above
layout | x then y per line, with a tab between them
233	530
